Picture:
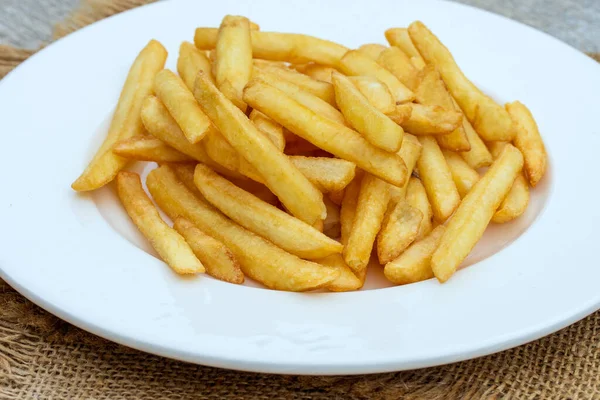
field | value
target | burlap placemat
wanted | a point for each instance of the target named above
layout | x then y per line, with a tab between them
42	357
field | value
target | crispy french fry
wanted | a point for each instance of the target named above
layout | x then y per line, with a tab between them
348	208
259	259
414	265
410	153
283	230
316	71
337	196
354	63
398	63
254	26
437	179
331	223
218	260
473	215
375	126
372	203
291	187
372	50
169	244
126	121
327	174
431	120
418	62
376	92
416	196
185	173
324	133
398	230
275	46
399	37
463	175
148	148
272	129
490	120
479	155
233	58
318	225
401	113
528	141
190	62
347	281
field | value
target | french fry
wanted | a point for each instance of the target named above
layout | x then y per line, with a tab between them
254	26
324	133
416	196
185	173
268	63
190	62
291	187
259	259
372	203
318	225
331	223
376	92
348	208
300	147
528	141
126	121
437	179
257	189
347	281
372	50
148	148
490	120
375	126
283	230
418	62
479	155
354	63
270	128
399	37
432	91
473	215
316	71
218	260
398	63
401	113
398	230
414	265
233	63
410	153
431	120
275	46
327	174
463	175
337	196
169	244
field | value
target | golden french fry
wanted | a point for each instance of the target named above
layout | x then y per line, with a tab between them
372	50
169	244
331	223
479	155
431	120
463	175
190	62
376	92
399	229
354	63
528	141
327	174
473	215
270	128
218	260
254	26
437	179
300	147
490	120
148	148
401	113
410	153
399	37
324	133
348	208
416	196
337	196
291	187
185	173
316	71
275	46
371	206
375	126
398	63
126	120
347	281
418	62
257	189
259	259
414	265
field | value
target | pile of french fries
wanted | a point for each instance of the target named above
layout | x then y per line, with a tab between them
299	163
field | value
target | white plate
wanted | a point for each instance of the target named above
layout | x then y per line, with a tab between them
69	253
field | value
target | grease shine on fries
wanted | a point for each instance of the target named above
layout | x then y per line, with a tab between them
289	159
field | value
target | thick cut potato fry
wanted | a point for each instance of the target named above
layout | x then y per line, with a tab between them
316	71
148	148
275	46
437	179
126	120
182	105
463	175
272	129
479	155
337	139
431	120
372	204
348	208
327	174
185	173
398	63
416	196
233	58
418	62
372	50
490	120
291	187
331	223
432	91
376	92
399	37
259	259
169	244
401	113
337	196
410	153
374	125
398	230
528	141
287	232
190	62
347	281
414	265
354	63
218	260
473	215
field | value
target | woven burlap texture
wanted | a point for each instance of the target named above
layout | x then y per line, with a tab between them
42	357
